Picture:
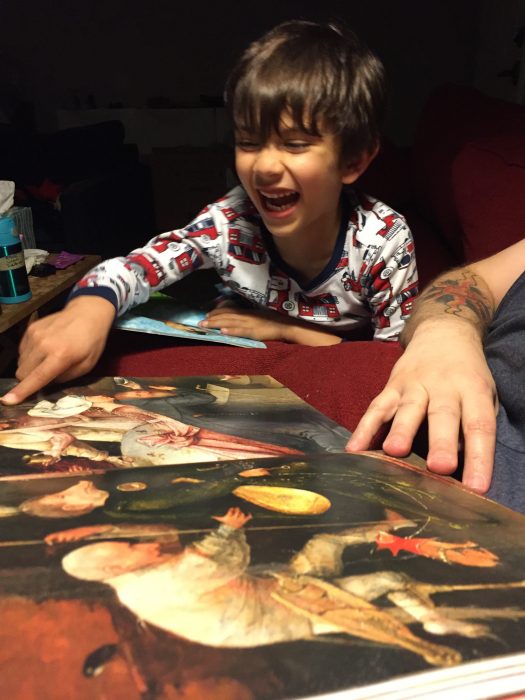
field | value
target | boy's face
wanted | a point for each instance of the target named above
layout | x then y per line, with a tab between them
294	180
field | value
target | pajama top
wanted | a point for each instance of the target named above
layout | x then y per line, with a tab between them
370	280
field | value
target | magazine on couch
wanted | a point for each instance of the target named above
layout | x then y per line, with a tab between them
211	538
162	315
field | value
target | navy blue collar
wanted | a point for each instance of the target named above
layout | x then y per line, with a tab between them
327	272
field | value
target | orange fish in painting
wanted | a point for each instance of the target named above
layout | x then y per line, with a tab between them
465	553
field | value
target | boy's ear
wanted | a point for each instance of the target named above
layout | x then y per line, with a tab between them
355	166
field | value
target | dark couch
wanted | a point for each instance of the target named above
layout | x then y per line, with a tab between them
87	189
462	190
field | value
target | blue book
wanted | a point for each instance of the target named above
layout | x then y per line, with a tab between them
162	315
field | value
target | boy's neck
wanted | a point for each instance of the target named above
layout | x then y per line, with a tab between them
306	267
308	256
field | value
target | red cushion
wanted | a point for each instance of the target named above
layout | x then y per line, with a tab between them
488	179
388	177
339	380
453	116
432	254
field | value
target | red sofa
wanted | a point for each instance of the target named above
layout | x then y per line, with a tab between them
462	189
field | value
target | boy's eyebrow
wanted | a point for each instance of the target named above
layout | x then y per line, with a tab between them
284	132
295	131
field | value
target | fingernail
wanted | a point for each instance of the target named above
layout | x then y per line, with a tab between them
477	483
8	398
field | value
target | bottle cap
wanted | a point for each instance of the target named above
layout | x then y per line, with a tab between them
7	231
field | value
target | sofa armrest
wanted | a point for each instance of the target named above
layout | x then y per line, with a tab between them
453	117
488	181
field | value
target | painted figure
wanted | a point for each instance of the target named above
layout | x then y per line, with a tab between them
84	497
208	592
147	438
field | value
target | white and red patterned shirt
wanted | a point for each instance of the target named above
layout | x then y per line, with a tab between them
370	279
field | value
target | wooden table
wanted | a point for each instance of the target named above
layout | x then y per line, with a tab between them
46	292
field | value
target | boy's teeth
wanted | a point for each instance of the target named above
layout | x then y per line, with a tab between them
278	201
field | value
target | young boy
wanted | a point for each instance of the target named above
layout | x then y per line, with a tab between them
311	261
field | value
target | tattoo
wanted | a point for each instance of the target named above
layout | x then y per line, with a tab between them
461	295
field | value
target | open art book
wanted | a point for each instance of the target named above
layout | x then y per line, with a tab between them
123	422
311	573
161	315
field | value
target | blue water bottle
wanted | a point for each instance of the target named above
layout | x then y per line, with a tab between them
14	285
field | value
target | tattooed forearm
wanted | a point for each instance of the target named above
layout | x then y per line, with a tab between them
460	293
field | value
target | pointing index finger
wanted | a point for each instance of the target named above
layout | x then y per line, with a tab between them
42	375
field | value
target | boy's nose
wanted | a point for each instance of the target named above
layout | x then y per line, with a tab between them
268	164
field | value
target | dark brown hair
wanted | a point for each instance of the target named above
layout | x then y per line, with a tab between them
321	73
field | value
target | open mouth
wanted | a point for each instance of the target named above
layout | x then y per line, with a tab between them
278	201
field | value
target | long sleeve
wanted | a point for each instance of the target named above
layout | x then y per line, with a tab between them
167	258
381	265
392	283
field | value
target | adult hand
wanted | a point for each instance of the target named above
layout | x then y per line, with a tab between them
62	346
443	375
266	325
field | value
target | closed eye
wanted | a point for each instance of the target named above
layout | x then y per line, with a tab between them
296	145
247	144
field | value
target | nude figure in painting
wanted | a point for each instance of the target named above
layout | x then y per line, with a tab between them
146	438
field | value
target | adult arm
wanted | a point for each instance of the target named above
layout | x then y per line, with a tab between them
443	373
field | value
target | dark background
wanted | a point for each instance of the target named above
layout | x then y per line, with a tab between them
65	54
69	63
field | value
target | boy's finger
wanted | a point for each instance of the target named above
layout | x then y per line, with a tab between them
48	370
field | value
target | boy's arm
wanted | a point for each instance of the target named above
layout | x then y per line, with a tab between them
68	344
392	282
267	325
443	373
62	346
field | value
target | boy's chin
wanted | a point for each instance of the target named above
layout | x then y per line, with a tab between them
280	222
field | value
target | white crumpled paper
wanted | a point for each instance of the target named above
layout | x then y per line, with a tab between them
34	256
66	406
7	195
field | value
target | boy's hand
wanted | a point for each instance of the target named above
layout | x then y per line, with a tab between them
62	346
266	325
447	379
246	323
